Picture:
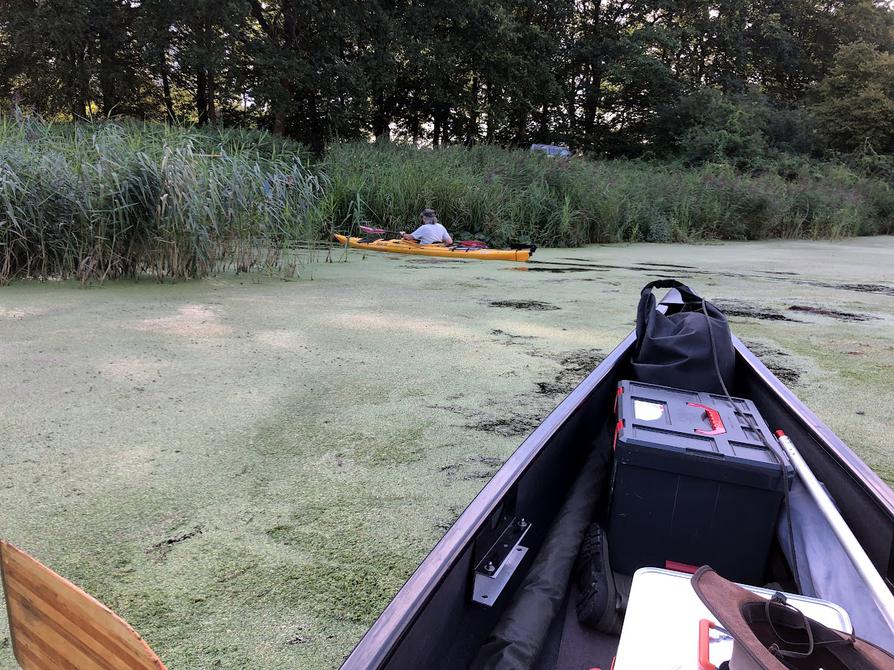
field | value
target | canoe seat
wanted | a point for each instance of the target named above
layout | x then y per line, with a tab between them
54	625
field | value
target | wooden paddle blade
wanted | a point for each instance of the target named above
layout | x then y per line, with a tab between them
54	625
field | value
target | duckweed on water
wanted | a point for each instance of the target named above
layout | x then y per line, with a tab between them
323	435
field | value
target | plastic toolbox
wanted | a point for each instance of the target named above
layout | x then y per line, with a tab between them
694	482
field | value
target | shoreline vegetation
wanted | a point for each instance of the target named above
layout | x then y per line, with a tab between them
105	200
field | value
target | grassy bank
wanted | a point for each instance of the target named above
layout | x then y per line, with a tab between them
505	196
97	201
123	200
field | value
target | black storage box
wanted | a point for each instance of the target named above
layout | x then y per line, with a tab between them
694	482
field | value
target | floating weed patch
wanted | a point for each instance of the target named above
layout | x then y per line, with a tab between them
161	549
775	360
749	311
473	467
442	524
510	338
864	288
666	266
788	376
600	267
580	363
574	367
533	305
280	533
832	313
517	419
557	271
512	424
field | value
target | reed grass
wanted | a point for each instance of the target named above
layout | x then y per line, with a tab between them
112	200
125	199
514	196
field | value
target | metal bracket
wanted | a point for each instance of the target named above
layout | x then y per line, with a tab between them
498	564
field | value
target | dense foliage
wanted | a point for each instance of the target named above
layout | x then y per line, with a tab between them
509	196
96	201
704	78
105	200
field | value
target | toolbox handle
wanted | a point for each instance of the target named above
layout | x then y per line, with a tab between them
704	645
713	416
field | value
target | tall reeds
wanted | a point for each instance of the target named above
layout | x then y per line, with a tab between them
108	200
507	196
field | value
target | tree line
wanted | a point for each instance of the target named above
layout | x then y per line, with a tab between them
692	78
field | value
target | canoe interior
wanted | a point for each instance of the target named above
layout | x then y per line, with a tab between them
433	623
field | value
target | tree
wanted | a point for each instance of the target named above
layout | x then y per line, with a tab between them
866	21
207	36
855	101
604	76
48	64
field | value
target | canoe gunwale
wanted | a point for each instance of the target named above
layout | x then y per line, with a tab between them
825	437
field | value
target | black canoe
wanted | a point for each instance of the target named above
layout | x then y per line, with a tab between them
433	621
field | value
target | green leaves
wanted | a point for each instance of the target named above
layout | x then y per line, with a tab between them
604	77
855	102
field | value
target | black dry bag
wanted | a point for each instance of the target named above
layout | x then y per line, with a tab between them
678	350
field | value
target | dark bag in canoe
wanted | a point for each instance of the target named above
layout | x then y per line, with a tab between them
679	350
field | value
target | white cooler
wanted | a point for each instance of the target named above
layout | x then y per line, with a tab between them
661	627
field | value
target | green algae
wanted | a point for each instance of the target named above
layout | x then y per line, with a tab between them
323	435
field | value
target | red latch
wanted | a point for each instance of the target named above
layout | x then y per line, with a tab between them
618	427
713	416
618	397
680	567
704	645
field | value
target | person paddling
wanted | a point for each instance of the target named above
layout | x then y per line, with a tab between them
430	231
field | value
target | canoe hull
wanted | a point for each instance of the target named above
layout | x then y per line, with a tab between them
435	250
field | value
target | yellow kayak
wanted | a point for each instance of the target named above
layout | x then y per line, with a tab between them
439	250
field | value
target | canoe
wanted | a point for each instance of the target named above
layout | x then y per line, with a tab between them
436	250
434	621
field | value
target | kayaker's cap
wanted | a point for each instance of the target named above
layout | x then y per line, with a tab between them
429	215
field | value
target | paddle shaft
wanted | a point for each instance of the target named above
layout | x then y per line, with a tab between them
386	234
880	592
374	230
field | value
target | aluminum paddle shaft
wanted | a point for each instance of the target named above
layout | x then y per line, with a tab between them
880	593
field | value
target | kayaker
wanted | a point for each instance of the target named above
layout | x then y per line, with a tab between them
430	231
